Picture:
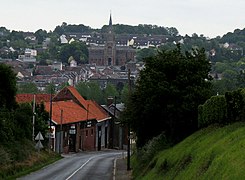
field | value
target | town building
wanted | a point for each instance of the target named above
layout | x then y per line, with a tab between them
106	52
77	124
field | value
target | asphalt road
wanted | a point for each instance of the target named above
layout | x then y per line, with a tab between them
80	166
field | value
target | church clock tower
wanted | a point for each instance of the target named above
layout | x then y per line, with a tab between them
110	46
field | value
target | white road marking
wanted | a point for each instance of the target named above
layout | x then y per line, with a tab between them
114	173
79	168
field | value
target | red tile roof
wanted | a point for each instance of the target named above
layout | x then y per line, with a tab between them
97	110
24	98
90	105
77	95
72	112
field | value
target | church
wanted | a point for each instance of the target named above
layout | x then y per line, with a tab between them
109	53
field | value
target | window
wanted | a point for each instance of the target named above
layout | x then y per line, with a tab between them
86	133
92	132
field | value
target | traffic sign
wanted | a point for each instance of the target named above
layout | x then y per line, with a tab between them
39	137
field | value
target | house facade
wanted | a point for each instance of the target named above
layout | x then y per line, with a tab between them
77	124
84	125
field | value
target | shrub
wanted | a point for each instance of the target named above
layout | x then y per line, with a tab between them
145	155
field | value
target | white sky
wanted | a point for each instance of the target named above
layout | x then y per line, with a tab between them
208	17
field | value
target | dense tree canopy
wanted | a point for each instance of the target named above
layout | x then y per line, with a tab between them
167	95
78	50
7	87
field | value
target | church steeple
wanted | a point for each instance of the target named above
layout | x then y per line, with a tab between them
110	21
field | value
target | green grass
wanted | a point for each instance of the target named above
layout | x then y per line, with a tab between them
211	153
35	162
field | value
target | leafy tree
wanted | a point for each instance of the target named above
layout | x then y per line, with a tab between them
167	95
7	87
41	119
110	91
27	88
144	53
41	35
95	92
50	88
23	122
82	88
78	50
90	90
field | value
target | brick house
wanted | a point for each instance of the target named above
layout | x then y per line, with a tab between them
87	123
78	124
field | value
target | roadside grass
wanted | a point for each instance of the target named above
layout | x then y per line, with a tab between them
36	161
211	153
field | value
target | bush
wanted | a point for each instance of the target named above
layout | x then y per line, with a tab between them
4	156
213	111
145	155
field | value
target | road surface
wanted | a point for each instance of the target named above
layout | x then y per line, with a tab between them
80	166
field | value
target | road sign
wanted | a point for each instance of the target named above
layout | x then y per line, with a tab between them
39	137
39	145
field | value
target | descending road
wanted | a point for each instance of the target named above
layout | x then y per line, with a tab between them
79	166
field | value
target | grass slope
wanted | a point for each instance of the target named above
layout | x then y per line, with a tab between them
211	153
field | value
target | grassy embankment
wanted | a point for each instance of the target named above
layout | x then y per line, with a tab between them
211	153
20	158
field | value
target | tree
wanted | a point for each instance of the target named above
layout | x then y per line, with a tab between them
144	53
27	88
78	50
7	87
167	95
41	35
110	91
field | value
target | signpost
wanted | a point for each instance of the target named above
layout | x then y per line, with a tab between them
39	138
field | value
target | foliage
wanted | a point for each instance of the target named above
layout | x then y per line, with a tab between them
110	91
7	87
30	161
214	110
78	50
210	153
27	88
41	121
168	91
92	90
145	53
222	109
235	105
145	155
23	122
142	29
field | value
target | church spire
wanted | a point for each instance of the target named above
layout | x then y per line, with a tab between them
110	21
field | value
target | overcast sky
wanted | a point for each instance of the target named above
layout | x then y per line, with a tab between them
208	17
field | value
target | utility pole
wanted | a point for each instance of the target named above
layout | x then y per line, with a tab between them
33	117
50	119
128	152
61	131
114	120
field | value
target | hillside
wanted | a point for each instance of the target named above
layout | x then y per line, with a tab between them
211	153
